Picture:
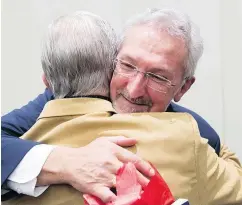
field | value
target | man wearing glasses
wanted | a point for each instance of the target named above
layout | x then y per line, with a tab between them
156	62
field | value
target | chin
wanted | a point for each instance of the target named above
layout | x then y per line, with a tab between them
124	108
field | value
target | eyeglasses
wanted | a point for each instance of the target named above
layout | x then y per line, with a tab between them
156	82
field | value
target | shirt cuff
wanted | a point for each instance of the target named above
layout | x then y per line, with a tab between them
24	178
181	202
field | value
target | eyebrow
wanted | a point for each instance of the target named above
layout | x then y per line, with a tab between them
156	71
128	59
161	71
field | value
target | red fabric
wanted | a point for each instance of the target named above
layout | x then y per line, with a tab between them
129	191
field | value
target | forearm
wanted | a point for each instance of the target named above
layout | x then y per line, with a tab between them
53	170
13	151
14	125
42	166
24	177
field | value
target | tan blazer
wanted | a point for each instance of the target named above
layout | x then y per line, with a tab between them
171	141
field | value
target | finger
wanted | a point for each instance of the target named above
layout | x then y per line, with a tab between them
112	165
122	141
144	167
109	180
126	156
105	194
142	180
117	166
114	182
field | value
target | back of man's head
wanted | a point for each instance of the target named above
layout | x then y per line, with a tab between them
78	54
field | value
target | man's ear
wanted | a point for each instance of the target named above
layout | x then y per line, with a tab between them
184	89
45	81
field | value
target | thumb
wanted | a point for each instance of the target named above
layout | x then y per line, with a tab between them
105	194
122	141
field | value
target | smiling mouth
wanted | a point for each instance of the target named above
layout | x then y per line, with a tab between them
135	103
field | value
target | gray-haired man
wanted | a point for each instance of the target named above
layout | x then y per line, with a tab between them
155	64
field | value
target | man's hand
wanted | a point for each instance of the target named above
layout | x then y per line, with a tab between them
92	169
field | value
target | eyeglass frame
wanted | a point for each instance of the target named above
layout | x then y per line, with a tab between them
146	74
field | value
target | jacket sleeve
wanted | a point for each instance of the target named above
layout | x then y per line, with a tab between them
13	126
206	131
220	177
229	156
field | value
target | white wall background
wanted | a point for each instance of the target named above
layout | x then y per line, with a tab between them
216	95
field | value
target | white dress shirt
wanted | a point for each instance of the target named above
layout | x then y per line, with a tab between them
24	178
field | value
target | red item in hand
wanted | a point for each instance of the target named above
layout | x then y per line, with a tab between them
129	191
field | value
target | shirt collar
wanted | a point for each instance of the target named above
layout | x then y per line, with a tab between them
75	106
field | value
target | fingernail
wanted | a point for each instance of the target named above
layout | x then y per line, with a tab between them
152	172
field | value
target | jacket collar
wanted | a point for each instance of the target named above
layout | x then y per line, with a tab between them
75	106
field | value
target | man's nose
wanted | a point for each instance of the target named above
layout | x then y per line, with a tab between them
137	86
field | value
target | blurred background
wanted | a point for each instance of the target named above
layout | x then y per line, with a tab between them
216	95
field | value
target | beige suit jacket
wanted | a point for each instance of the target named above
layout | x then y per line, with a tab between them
171	141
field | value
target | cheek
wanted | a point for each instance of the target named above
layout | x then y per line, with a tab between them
116	84
160	101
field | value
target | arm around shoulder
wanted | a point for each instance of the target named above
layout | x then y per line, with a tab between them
14	125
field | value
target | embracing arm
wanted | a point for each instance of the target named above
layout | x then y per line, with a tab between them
63	164
13	126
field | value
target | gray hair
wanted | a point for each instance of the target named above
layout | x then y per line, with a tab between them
176	24
78	54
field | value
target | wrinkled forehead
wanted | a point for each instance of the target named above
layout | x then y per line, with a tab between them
149	46
153	40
